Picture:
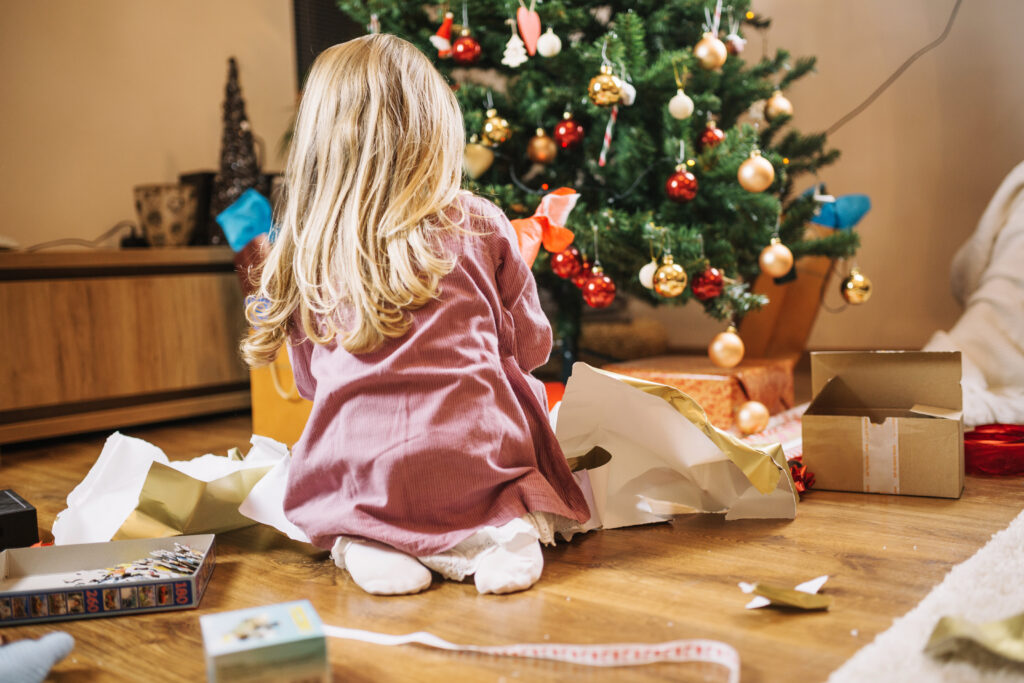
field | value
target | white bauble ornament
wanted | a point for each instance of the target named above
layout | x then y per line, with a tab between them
647	274
680	106
627	93
549	45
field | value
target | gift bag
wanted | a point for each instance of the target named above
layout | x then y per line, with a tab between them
134	491
644	452
278	411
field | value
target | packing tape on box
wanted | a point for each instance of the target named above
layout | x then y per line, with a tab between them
880	444
617	654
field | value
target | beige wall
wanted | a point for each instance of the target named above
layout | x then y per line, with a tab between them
100	96
103	95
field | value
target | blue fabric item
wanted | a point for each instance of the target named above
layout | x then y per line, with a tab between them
844	213
246	219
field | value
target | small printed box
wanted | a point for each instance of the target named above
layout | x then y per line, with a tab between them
276	643
886	422
18	527
60	582
719	391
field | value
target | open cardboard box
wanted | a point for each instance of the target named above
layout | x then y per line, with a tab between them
886	422
41	584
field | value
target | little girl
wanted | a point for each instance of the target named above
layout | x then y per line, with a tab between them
412	323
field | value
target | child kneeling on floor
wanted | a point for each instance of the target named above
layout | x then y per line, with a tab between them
412	323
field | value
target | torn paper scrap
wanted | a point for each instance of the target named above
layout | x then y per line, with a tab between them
954	636
803	596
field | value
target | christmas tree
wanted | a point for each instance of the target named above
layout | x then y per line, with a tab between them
681	150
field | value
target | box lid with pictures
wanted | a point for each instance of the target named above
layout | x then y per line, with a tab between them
886	422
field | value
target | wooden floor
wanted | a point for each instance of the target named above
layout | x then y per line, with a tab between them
652	583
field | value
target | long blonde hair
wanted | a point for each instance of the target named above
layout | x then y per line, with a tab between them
375	161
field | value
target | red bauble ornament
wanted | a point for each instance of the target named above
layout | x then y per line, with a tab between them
599	290
568	133
566	264
580	278
707	285
465	49
681	186
711	136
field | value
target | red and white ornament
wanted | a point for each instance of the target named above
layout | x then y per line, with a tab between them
711	136
599	289
442	40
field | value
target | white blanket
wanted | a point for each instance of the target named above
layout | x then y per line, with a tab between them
988	279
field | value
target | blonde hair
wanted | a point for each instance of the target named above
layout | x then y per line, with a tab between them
375	161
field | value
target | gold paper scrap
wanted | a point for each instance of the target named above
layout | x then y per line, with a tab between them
1003	637
789	597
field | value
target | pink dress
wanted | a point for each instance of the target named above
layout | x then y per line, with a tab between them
442	431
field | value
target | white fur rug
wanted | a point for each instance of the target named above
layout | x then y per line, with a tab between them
987	586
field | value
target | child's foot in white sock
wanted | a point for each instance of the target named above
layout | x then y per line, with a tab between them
379	569
510	567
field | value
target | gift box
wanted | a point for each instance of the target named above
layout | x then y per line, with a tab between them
720	391
283	642
57	583
886	422
277	409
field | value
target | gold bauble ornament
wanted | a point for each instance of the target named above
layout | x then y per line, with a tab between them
670	278
776	259
756	174
496	129
710	52
752	417
541	149
603	90
856	287
726	349
478	158
777	106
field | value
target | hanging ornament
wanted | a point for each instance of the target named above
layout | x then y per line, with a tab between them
478	158
711	136
580	278
647	273
529	25
541	149
777	106
669	278
856	287
680	106
708	284
756	174
466	48
442	40
496	129
709	50
549	45
752	417
568	133
599	289
566	264
681	186
734	42
606	142
726	349
776	259
627	93
515	50
603	90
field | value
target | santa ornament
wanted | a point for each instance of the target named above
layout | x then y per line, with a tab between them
442	40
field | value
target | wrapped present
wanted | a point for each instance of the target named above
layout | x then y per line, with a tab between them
720	391
277	409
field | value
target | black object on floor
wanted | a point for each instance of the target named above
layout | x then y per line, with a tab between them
18	526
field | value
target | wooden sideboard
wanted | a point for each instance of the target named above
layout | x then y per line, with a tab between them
96	340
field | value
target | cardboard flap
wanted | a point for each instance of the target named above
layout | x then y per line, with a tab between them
933	411
892	379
